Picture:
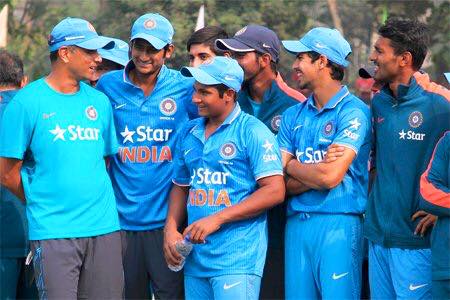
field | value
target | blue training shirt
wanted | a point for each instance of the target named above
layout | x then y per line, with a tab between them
147	129
69	193
223	171
306	133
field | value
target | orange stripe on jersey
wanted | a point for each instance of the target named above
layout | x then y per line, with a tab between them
428	191
423	80
288	90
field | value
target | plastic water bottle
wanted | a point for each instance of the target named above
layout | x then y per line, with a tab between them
184	247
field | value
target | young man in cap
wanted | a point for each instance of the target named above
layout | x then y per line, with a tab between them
328	199
201	45
112	59
67	128
265	96
14	245
435	190
410	114
227	174
150	104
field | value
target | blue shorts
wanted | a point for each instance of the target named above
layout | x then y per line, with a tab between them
399	273
323	256
241	286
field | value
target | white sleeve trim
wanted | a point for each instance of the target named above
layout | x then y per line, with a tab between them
351	147
286	151
273	173
179	184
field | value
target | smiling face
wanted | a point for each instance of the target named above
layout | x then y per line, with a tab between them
209	101
83	63
146	58
387	63
306	70
200	54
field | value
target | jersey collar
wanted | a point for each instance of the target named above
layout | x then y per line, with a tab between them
333	102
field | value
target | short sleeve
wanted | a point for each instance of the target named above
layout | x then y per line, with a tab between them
353	129
284	136
181	175
263	152
16	129
109	133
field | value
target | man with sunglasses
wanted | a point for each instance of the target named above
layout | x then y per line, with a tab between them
151	103
67	129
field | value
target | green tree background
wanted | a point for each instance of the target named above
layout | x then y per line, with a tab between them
30	22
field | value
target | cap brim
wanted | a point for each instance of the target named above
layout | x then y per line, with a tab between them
233	45
96	43
199	75
154	41
119	57
366	72
295	47
447	76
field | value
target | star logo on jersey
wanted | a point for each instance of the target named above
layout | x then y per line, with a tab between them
168	107
354	124
275	123
402	134
58	132
228	150
415	119
268	146
91	113
128	135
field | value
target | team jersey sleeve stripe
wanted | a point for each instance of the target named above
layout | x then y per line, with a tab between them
428	191
348	146
268	174
179	183
286	151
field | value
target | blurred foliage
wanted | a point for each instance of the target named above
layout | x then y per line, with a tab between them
30	22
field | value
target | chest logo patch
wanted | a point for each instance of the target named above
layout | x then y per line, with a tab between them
91	113
328	129
168	107
275	123
415	119
228	150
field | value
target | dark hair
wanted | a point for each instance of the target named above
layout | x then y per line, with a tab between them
208	36
53	56
407	36
222	88
11	69
273	65
337	71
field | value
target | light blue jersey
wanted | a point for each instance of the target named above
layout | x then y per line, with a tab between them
147	128
69	193
306	133
223	171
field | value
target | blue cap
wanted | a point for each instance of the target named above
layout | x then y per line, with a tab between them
153	28
253	38
77	32
447	76
326	41
220	70
118	54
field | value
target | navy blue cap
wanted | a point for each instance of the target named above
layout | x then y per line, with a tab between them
326	41
253	38
118	54
77	32
221	69
153	28
367	72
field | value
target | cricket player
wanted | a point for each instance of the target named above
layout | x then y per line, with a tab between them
201	45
